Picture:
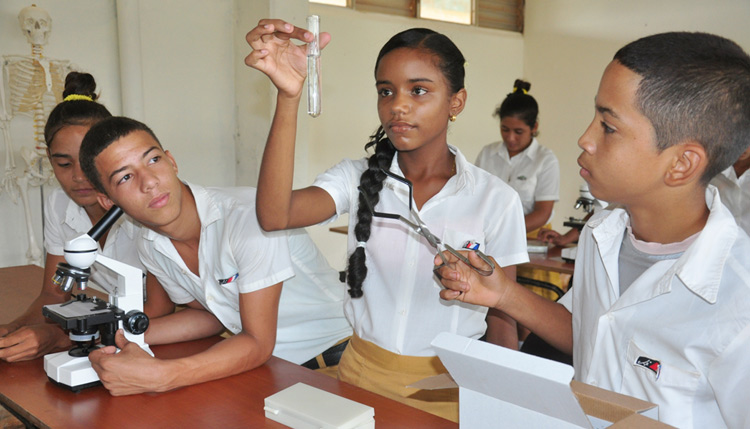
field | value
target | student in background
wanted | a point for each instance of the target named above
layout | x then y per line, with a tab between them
660	305
519	160
203	248
529	168
394	304
734	188
69	211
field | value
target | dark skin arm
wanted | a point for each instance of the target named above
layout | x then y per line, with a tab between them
30	335
549	320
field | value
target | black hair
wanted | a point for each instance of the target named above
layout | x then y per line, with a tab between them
99	137
519	104
450	61
694	86
75	112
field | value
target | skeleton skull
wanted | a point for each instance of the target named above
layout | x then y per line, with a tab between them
36	24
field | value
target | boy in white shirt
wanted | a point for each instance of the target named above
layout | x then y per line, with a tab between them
660	304
206	249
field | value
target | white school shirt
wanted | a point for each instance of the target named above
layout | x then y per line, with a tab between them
691	315
401	310
65	220
533	173
236	256
735	194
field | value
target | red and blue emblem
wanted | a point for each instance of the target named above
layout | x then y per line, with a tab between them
471	245
229	280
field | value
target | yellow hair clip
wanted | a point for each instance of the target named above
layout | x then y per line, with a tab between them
515	88
73	97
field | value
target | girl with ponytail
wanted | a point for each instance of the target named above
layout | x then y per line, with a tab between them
69	211
394	303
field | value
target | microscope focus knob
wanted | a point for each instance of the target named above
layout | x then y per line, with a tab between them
135	322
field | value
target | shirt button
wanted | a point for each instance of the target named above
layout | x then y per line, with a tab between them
210	298
593	383
610	317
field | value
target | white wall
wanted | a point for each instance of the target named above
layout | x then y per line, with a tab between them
213	112
568	43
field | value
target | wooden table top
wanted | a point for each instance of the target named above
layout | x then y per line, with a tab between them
550	261
235	401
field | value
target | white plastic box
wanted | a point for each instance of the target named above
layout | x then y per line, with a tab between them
305	407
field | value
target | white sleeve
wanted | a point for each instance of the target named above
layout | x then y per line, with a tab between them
54	241
340	181
548	180
262	258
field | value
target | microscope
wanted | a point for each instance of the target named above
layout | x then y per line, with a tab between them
587	202
92	319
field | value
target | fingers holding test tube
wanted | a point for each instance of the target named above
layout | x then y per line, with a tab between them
462	282
276	55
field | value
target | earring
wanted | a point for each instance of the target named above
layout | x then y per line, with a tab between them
452	118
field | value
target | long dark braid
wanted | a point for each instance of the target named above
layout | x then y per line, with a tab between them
451	64
370	183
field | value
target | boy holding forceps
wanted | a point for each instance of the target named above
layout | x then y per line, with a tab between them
660	303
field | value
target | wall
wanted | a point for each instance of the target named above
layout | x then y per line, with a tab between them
213	112
567	45
98	34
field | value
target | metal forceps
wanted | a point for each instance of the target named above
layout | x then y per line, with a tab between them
420	228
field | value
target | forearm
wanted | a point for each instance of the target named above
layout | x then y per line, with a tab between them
184	325
501	329
539	217
274	195
232	356
547	319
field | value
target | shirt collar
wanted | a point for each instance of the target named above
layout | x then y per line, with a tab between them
701	266
464	177
530	152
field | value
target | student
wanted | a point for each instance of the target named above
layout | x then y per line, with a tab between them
528	167
393	303
661	296
69	211
205	249
734	188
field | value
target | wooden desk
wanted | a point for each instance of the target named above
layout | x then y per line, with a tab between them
235	401
550	261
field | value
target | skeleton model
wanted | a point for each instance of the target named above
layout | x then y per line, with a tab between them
31	85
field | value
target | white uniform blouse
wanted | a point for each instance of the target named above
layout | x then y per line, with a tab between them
65	220
533	173
690	317
401	310
236	256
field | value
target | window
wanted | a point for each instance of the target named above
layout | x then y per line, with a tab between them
500	14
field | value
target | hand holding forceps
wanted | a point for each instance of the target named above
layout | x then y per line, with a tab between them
420	228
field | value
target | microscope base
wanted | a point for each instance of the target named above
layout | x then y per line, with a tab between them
74	373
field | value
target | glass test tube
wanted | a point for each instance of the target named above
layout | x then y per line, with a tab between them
313	67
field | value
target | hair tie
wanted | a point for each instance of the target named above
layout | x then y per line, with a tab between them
361	244
515	88
74	97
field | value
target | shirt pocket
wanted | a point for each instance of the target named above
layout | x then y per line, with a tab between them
652	376
463	240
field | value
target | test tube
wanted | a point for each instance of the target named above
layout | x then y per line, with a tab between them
313	67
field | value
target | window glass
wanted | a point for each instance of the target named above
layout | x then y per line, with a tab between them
446	10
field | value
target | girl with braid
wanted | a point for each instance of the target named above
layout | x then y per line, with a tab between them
393	302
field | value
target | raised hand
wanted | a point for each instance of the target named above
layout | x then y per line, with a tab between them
275	54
